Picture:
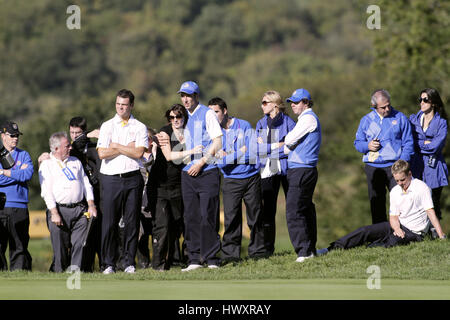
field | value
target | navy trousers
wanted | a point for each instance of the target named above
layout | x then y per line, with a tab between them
14	223
300	210
378	180
270	188
379	234
120	195
234	192
201	214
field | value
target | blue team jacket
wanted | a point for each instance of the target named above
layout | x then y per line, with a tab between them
394	133
283	124
239	165
16	187
436	176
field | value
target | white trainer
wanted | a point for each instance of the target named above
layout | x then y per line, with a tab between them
213	266
130	269
192	267
109	270
301	259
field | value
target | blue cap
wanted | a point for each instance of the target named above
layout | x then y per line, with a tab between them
189	87
298	95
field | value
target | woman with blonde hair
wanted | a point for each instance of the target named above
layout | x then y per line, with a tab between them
271	130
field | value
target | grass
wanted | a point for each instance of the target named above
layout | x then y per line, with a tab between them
417	271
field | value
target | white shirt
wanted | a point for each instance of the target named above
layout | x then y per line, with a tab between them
56	186
114	130
306	123
411	206
212	123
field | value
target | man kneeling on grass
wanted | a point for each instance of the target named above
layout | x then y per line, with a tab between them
410	215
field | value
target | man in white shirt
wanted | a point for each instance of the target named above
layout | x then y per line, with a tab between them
121	143
410	215
65	189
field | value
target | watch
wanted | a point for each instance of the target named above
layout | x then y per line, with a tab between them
1	172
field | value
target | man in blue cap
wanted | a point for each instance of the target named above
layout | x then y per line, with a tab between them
14	217
302	145
200	181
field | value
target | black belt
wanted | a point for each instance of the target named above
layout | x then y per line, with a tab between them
127	174
71	205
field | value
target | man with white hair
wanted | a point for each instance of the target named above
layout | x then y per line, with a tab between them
65	189
383	137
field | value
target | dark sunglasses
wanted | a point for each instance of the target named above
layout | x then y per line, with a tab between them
13	135
264	103
173	117
426	100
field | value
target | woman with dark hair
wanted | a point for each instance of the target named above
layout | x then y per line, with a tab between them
271	130
429	127
165	186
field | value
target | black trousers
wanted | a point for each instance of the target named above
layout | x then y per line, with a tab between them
168	226
120	196
94	240
270	188
436	196
14	223
378	180
300	210
201	214
379	234
234	191
67	239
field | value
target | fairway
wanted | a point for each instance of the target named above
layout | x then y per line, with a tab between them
306	289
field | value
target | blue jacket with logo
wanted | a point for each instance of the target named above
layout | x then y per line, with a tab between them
394	133
436	175
16	187
281	126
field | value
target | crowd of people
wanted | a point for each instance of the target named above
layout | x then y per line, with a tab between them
137	185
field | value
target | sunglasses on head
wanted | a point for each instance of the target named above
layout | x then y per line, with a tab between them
15	135
425	100
177	117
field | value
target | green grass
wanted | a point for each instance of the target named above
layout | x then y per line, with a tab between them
275	289
417	271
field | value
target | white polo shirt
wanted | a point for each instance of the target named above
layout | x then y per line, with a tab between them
115	130
411	206
63	182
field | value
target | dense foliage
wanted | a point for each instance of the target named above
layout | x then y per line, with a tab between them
233	49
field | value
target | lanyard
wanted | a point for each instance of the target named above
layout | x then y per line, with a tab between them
67	172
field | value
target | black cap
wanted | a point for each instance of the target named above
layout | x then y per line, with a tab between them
10	127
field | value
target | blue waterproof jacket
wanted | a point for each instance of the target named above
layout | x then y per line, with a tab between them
394	133
16	187
433	175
